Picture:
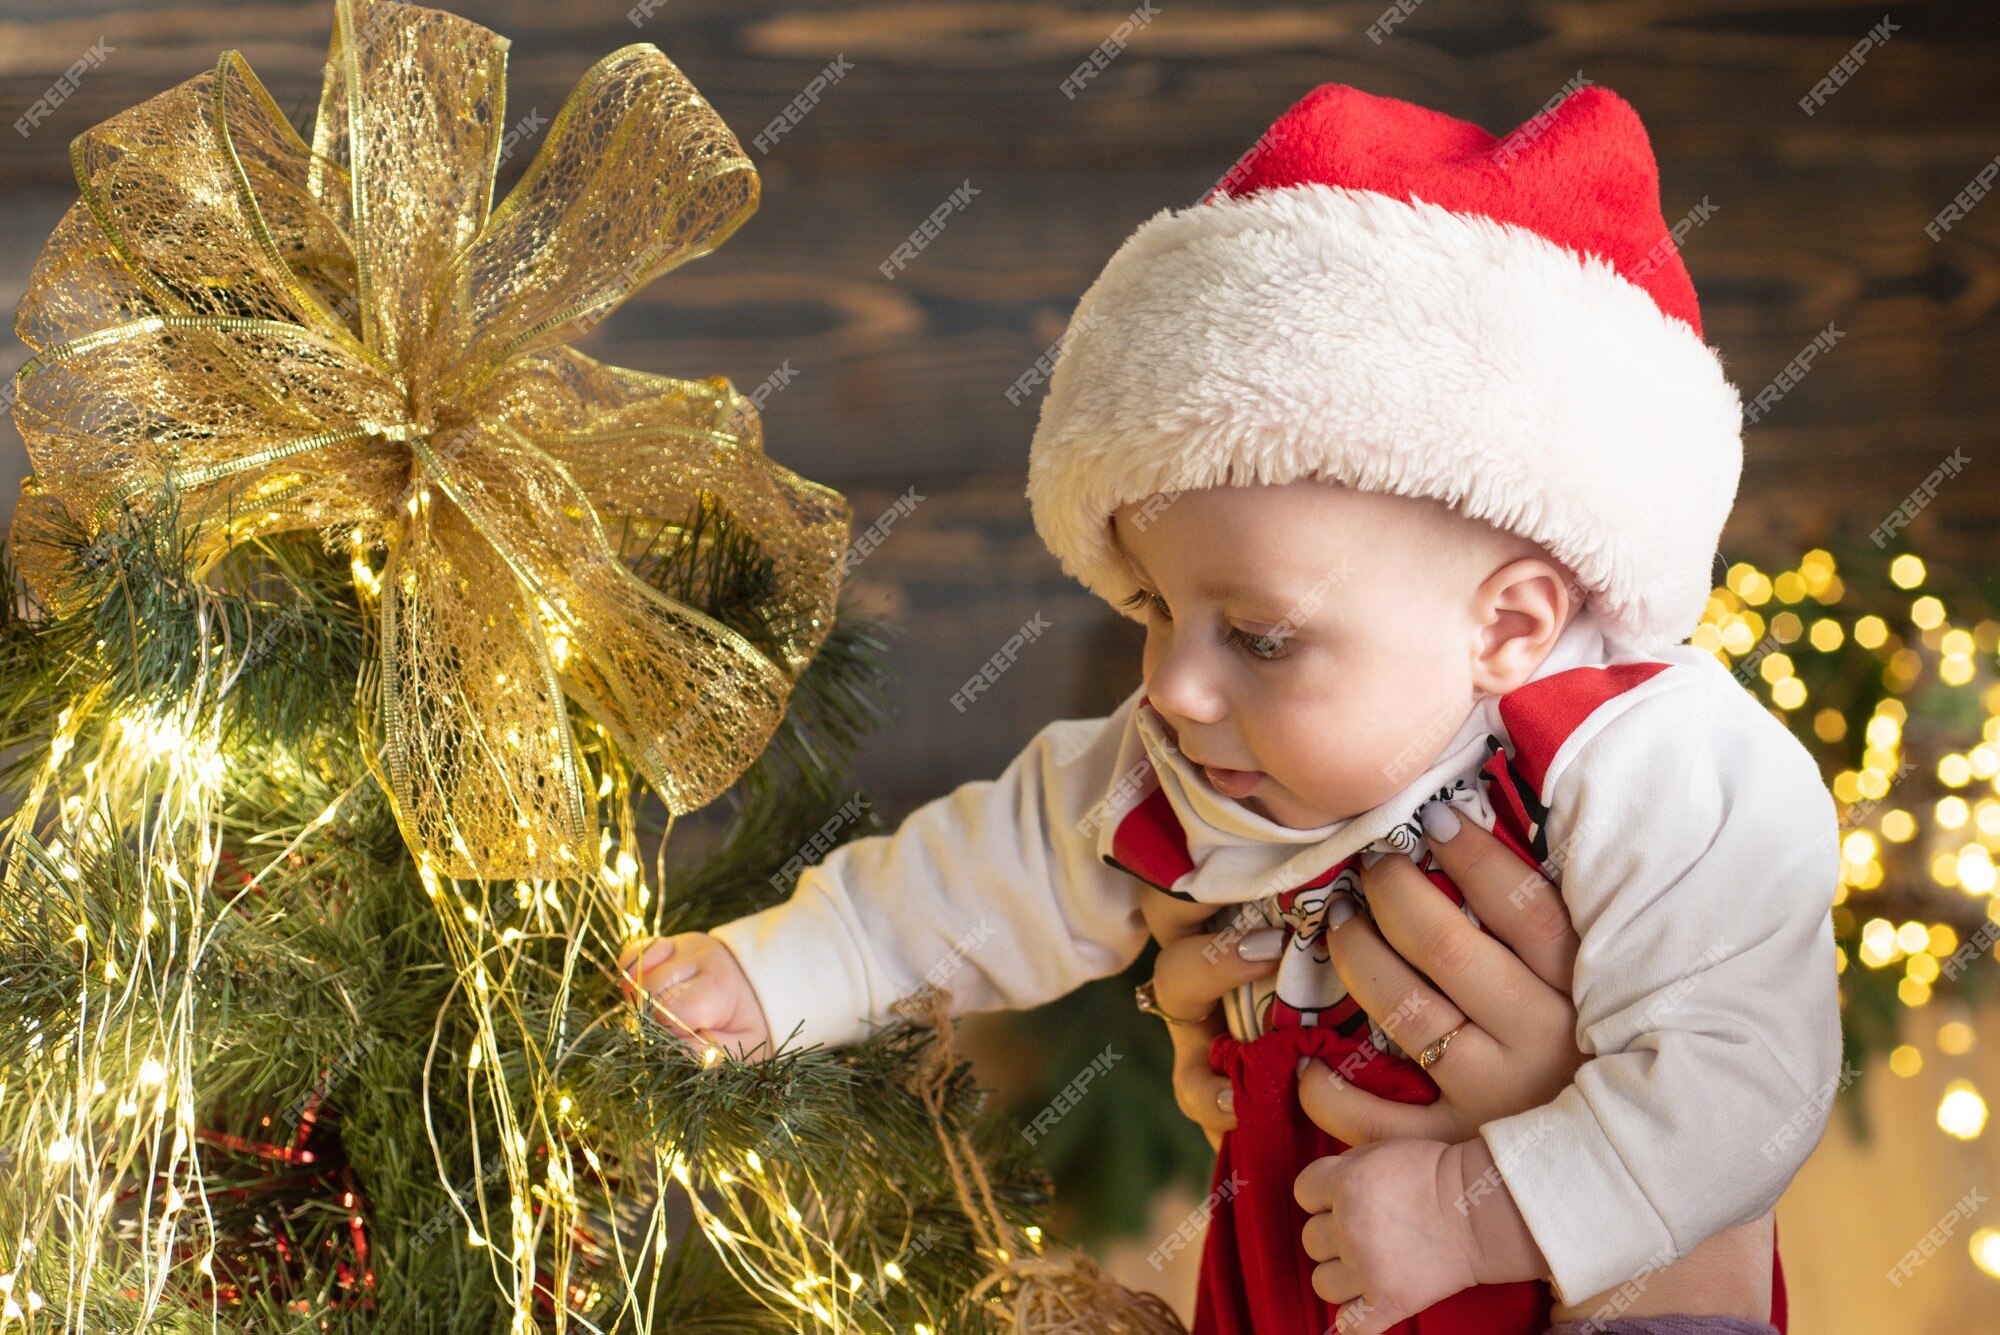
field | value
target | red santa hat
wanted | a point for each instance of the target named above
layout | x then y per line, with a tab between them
1387	297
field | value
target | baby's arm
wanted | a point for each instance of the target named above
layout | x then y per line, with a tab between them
993	893
1697	849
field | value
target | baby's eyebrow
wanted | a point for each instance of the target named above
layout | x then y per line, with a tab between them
1220	592
1248	593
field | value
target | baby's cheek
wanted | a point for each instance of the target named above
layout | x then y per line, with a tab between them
1357	747
1323	766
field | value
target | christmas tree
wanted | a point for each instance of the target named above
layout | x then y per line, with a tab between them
374	666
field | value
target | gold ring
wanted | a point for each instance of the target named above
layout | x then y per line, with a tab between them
1149	1002
1436	1050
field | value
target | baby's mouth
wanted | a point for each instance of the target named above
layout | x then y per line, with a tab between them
1236	783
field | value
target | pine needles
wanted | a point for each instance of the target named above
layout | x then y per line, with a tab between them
321	979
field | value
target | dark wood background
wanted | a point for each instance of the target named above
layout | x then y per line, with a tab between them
902	384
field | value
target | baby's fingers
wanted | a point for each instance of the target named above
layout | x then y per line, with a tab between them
690	1003
642	953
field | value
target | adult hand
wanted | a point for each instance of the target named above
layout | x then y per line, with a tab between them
1194	971
1517	1047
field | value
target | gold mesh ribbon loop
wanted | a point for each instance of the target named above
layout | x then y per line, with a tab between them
350	337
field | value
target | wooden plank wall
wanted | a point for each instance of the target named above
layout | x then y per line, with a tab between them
900	384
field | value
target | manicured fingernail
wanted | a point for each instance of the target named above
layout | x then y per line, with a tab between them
1226	1100
1338	910
1265	944
1440	822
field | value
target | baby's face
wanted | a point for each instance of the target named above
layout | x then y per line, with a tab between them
1312	647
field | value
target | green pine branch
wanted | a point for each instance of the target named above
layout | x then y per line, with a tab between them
326	981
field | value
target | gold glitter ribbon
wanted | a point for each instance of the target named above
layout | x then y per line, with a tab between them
349	337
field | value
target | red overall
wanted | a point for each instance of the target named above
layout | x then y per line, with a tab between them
1256	1278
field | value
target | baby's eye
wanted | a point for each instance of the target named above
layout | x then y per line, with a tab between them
1145	599
1265	647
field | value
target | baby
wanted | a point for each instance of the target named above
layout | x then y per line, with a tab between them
1405	447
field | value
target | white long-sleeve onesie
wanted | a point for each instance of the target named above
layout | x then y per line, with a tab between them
1692	836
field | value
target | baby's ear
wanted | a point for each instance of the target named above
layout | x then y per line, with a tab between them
1518	612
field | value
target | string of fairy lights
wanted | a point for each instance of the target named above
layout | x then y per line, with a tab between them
104	1117
1896	692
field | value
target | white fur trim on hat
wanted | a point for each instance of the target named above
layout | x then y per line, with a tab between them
1395	346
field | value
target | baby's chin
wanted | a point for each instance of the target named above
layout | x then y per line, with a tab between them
1280	806
1283	805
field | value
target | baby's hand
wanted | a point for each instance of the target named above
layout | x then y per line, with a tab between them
699	991
1386	1231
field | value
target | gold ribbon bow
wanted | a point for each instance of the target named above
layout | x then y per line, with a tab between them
349	337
